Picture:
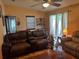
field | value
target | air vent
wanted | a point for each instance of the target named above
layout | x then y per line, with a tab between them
36	0
13	0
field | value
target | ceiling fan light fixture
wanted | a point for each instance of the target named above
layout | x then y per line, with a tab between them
45	5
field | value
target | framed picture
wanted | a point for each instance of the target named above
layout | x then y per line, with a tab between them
3	20
2	16
0	11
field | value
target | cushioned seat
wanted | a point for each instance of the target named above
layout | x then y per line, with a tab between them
71	45
42	41
78	49
20	46
41	44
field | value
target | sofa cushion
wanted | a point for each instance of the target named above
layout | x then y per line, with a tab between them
42	41
64	39
76	40
42	44
38	33
18	41
36	38
76	34
78	49
71	45
22	34
19	46
17	36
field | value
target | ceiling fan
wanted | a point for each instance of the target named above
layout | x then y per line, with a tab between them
46	3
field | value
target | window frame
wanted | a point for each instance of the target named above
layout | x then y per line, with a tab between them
34	22
5	21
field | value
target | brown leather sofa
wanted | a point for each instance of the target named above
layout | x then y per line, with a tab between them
38	39
71	44
19	43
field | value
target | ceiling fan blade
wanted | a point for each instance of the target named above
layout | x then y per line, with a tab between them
56	4
57	0
51	1
38	3
34	5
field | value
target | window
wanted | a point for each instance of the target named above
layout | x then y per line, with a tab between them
10	23
30	22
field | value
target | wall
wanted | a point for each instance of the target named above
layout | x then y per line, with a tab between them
20	14
1	31
73	17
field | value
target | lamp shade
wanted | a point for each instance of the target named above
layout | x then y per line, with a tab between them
65	31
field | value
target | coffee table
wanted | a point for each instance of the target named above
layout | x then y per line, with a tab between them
47	54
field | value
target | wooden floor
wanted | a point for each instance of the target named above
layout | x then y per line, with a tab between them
47	54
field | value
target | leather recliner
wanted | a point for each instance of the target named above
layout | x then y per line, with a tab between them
38	39
15	44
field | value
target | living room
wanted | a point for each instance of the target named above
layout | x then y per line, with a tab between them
21	12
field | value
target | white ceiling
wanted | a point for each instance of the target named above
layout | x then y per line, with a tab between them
30	3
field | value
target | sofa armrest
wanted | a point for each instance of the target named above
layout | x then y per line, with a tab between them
64	39
6	51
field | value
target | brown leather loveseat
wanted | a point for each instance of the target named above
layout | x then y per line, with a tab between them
23	42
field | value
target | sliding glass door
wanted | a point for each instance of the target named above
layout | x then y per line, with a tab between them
59	25
58	22
53	25
56	25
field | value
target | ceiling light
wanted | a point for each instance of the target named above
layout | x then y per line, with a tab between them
45	4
